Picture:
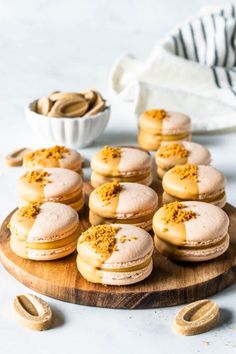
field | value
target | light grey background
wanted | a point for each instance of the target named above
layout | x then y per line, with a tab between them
68	45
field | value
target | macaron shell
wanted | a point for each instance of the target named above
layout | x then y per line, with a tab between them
209	227
134	200
133	162
137	248
197	154
211	182
191	255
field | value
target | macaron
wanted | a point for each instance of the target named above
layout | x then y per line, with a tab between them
44	232
122	164
191	231
180	153
192	182
115	254
56	156
51	185
159	125
123	203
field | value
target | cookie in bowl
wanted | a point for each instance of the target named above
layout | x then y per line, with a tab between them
159	125
122	164
58	185
115	254
55	156
123	203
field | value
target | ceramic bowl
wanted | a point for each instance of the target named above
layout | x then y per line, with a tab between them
74	133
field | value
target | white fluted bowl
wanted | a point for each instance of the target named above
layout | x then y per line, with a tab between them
74	133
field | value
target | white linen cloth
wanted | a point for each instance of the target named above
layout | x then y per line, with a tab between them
192	70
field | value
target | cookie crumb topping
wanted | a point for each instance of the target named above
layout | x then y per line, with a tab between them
158	114
29	211
172	150
108	191
176	213
55	152
186	172
111	152
39	176
101	238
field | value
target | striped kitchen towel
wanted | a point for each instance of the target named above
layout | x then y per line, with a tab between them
192	70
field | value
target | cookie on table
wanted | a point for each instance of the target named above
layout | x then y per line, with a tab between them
44	232
115	254
129	203
56	156
192	182
180	153
158	125
51	184
191	231
122	164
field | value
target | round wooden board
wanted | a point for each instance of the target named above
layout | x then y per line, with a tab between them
170	283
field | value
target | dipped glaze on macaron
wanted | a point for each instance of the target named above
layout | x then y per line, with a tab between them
122	164
115	254
159	125
192	182
130	203
191	231
180	153
56	156
44	231
51	184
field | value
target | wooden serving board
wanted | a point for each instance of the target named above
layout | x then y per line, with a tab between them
171	283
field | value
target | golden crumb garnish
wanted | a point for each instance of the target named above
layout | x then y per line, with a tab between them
55	152
39	176
111	152
174	149
109	190
101	238
158	114
176	213
29	211
125	238
186	171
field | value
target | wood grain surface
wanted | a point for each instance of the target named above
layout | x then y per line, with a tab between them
170	283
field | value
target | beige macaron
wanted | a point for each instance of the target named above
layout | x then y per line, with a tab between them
180	153
122	164
123	203
191	231
44	232
51	185
56	156
192	182
159	125
115	254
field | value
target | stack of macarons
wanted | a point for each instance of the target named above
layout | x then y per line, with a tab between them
56	156
158	125
115	254
44	232
51	184
192	182
129	203
180	153
122	164
191	231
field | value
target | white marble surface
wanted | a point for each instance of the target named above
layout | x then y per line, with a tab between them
68	45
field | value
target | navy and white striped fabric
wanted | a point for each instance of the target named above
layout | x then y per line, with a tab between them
210	39
192	70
